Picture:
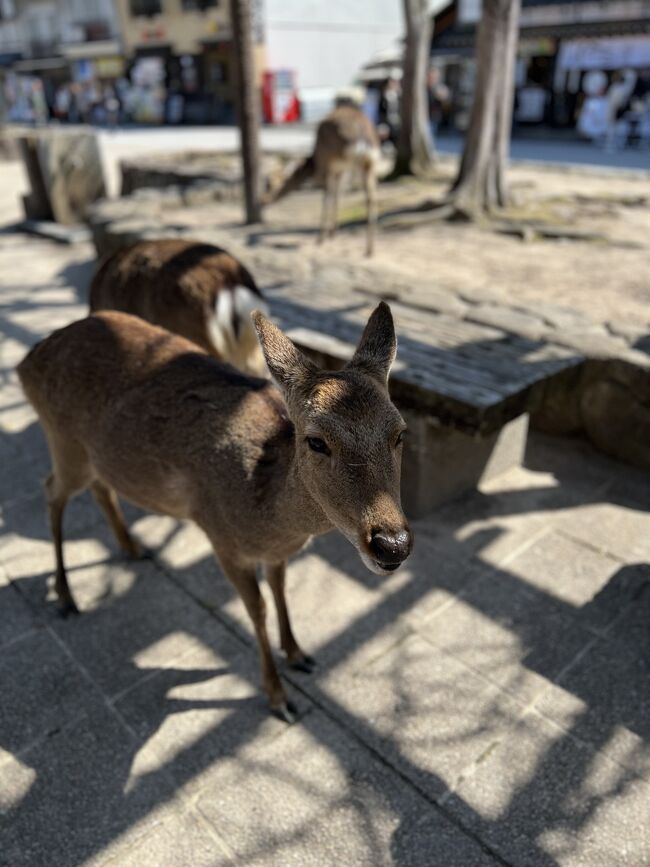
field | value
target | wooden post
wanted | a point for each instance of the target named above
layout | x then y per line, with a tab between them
247	106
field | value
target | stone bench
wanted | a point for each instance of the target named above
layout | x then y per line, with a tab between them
471	367
465	389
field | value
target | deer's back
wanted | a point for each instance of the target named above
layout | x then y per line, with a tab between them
158	419
173	283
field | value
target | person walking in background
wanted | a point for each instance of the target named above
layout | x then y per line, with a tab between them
38	103
618	95
389	110
438	94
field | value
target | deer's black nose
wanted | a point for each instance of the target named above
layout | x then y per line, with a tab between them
390	549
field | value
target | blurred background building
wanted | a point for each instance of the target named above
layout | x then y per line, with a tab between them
170	61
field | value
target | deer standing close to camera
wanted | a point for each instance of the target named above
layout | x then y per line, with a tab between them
345	140
194	289
128	407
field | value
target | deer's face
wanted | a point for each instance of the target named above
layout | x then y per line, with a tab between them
349	452
348	439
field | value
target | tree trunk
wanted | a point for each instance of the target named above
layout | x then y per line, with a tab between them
247	105
480	185
414	146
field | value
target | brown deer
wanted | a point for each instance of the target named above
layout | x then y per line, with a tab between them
345	139
194	289
128	407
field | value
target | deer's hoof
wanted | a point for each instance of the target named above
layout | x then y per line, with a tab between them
303	663
287	712
68	608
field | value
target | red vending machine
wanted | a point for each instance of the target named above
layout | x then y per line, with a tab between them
280	102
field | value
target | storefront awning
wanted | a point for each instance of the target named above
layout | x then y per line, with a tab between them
613	53
40	64
90	50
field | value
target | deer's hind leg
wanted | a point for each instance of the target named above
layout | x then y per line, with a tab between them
71	474
329	213
275	575
107	501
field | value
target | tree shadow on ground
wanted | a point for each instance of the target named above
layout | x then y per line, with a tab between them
122	784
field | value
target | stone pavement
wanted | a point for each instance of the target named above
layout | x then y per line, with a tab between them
489	704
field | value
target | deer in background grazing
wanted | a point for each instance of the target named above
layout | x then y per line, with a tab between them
345	139
128	407
193	289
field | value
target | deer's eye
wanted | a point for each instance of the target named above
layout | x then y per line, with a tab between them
318	445
400	438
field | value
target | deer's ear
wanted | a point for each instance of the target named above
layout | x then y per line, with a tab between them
288	366
378	345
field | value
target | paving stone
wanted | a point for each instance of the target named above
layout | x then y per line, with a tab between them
613	678
145	625
423	711
573	462
575	575
17	618
179	837
202	709
95	572
381	609
23	475
622	530
42	689
541	799
25	519
506	515
513	636
70	798
314	796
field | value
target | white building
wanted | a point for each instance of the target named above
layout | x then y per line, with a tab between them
325	42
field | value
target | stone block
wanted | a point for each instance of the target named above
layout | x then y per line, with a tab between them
17	618
575	575
143	624
199	711
42	689
440	463
427	714
618	528
313	796
513	636
72	171
540	798
71	798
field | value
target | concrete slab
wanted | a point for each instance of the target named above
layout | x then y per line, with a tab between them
42	689
575	575
314	797
17	618
514	637
201	710
620	529
428	715
71	800
145	624
608	686
540	798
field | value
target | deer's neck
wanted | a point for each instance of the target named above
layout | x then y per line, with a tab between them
300	511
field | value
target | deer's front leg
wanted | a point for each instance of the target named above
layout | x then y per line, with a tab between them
275	573
245	581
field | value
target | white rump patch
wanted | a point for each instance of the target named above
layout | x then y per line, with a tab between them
233	332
